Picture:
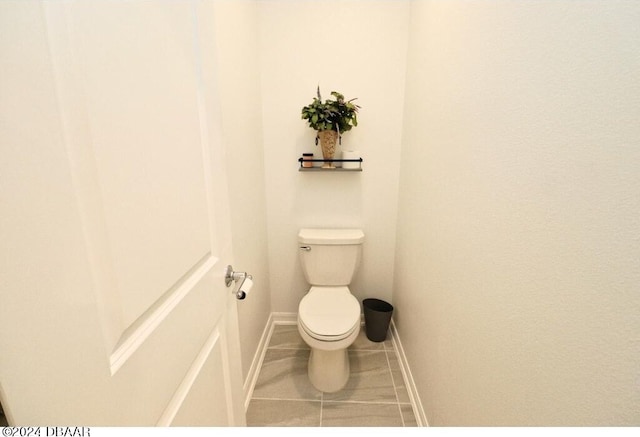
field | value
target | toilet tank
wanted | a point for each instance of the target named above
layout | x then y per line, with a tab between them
330	256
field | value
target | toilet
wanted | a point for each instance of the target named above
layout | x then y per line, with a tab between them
329	315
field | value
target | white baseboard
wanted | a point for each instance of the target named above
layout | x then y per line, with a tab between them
285	318
292	319
256	364
414	397
258	358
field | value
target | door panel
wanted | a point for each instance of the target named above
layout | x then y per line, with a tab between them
154	201
199	389
115	218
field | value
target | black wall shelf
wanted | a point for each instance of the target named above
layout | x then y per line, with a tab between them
333	169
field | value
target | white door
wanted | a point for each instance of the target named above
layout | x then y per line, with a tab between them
114	227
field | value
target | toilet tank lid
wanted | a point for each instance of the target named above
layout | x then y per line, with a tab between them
331	236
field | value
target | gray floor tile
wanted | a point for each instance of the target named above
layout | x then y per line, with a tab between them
375	394
360	414
401	389
283	413
284	376
394	364
287	337
363	343
369	380
408	416
398	380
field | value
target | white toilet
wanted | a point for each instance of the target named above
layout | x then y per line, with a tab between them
329	315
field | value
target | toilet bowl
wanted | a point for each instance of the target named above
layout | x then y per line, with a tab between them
329	322
329	315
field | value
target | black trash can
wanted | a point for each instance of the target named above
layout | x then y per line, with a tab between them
377	316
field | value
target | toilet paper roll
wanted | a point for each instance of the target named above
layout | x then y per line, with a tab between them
246	286
351	154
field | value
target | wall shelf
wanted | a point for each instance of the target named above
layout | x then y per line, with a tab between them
334	169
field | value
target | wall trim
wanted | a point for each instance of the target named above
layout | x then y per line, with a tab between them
291	319
414	397
261	350
285	318
256	364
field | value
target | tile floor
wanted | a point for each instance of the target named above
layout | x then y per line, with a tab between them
375	394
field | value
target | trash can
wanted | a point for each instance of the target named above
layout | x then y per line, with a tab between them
377	316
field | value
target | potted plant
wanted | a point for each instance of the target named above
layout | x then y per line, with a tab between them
330	119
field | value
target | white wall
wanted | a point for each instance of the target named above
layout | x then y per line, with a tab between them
517	271
357	48
239	74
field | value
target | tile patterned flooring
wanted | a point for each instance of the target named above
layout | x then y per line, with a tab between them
375	394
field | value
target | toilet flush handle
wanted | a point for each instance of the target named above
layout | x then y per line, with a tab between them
305	248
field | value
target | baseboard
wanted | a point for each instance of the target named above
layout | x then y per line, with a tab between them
414	397
285	318
292	319
258	358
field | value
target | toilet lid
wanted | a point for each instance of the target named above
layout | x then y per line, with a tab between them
329	311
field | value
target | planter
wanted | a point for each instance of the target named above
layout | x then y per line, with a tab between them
328	141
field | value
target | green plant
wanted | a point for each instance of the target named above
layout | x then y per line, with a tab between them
336	115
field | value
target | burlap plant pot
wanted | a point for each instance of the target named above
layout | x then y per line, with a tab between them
328	141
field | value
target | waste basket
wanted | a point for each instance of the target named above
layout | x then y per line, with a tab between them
377	316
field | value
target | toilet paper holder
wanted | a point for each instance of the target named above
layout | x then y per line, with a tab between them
231	276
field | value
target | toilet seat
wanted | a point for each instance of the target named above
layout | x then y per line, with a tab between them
327	338
329	313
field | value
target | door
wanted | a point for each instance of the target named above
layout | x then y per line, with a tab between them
114	218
